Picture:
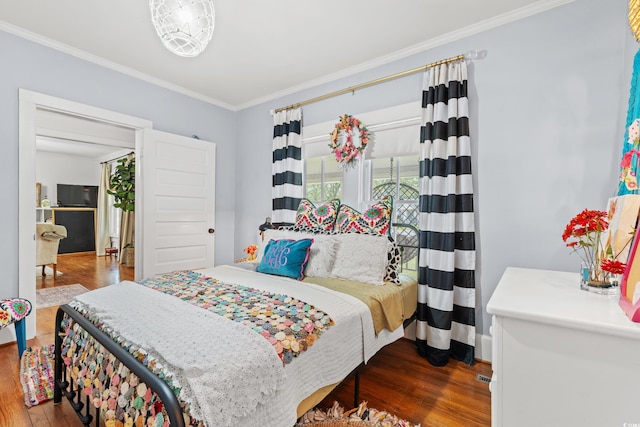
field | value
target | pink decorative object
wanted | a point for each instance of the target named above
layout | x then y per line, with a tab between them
630	286
348	140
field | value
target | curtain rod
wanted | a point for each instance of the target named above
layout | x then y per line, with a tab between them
470	55
119	157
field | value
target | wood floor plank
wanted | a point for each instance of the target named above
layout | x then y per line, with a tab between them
38	416
396	380
399	381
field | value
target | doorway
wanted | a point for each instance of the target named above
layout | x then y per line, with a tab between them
35	111
70	157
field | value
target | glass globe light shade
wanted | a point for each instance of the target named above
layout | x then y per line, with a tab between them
184	26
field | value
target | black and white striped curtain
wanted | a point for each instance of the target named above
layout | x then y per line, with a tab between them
287	166
446	277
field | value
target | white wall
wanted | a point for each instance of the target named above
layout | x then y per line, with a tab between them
547	115
44	70
55	168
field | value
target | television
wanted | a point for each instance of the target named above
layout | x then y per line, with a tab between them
77	196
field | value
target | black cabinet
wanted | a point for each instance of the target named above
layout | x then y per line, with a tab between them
81	229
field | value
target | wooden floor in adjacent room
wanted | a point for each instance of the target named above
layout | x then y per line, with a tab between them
396	380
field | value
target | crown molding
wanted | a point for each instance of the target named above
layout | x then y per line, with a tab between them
485	25
81	54
470	30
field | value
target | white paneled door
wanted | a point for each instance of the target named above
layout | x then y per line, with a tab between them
178	203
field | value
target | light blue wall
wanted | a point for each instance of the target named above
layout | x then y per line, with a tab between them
548	105
40	69
547	115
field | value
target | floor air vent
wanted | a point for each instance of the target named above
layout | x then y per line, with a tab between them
483	379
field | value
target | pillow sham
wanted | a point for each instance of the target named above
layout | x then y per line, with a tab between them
322	253
317	218
285	258
322	256
394	257
361	257
275	234
376	219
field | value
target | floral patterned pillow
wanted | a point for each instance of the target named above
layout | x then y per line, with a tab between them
376	219
317	219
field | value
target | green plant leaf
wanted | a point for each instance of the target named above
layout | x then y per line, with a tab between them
122	183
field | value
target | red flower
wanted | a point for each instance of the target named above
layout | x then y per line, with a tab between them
613	266
587	221
584	232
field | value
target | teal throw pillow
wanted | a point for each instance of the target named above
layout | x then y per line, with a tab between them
286	258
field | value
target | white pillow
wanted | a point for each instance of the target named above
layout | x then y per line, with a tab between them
322	256
322	253
361	257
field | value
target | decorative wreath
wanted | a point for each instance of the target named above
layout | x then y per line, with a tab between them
342	142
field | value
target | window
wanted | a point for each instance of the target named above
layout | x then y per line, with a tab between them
392	168
323	179
399	177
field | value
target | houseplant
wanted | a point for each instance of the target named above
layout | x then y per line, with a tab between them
123	188
123	184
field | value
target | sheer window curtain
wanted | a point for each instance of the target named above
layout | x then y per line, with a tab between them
287	189
446	274
103	238
114	223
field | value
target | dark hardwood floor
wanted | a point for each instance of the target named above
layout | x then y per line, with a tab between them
396	379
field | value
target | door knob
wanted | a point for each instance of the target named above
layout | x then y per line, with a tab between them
211	231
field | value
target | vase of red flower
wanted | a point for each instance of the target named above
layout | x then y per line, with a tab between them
600	271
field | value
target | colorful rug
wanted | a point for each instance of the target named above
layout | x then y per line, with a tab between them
36	374
362	416
58	295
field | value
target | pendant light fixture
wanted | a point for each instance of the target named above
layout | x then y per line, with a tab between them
184	26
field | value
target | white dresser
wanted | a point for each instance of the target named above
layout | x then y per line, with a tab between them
561	356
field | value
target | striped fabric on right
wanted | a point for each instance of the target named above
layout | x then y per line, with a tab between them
446	274
287	190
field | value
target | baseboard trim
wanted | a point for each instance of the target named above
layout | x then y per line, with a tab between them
483	348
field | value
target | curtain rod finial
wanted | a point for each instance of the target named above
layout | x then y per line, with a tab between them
475	54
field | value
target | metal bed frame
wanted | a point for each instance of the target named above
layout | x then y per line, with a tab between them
63	385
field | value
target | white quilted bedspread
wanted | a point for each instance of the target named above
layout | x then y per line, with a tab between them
231	375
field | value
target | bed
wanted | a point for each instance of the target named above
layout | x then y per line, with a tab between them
230	345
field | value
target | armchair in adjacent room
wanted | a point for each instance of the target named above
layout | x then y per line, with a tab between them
48	238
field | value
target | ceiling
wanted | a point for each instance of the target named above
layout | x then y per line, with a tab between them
260	49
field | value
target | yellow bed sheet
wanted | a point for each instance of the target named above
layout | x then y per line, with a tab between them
390	304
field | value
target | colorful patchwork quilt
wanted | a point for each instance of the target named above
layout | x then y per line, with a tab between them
290	325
